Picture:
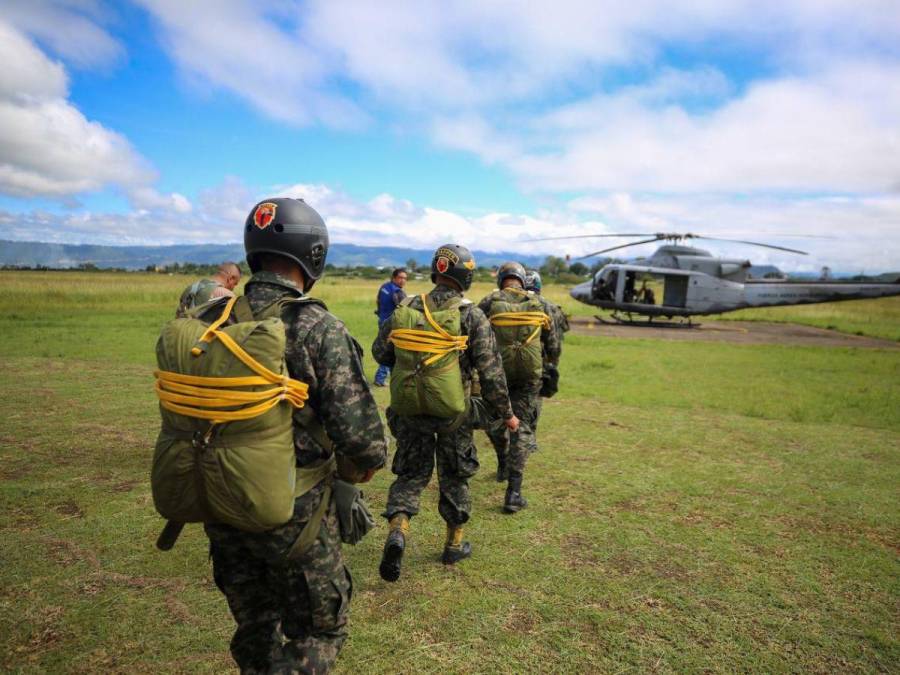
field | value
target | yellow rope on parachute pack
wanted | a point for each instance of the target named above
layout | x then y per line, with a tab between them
204	397
537	319
427	342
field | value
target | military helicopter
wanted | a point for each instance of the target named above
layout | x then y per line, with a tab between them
696	283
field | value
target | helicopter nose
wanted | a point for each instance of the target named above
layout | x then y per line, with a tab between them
582	292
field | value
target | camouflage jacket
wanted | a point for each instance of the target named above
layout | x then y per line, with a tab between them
198	293
560	321
551	346
481	355
321	353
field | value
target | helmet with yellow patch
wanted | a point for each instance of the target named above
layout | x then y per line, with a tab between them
456	262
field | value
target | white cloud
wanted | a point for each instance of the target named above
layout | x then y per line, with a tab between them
863	232
147	198
27	74
256	52
48	148
462	53
537	87
69	27
838	131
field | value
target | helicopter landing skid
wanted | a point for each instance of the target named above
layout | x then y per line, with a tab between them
628	320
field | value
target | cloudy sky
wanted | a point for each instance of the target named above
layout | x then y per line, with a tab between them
487	122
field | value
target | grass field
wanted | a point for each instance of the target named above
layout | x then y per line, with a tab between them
694	506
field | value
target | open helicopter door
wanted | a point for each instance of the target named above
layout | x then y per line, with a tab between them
675	290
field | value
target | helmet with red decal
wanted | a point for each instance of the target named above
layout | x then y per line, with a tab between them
456	262
289	228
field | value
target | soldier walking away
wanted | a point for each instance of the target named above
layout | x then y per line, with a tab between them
389	296
220	285
291	612
435	342
530	345
550	375
534	284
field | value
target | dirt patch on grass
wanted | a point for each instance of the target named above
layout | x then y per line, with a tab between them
520	621
69	509
844	531
48	631
631	504
180	611
64	552
14	472
578	552
125	486
111	434
669	569
737	332
623	563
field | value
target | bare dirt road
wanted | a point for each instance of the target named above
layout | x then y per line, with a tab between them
739	332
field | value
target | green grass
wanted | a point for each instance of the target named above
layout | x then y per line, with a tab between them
694	506
874	318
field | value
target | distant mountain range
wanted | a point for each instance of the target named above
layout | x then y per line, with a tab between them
34	254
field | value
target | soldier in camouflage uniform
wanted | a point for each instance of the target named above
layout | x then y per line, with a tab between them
221	285
550	378
291	614
423	441
525	397
560	321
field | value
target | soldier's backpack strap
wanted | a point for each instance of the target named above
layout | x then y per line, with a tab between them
241	310
209	311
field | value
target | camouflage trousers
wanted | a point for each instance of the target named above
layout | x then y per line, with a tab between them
517	446
291	614
422	444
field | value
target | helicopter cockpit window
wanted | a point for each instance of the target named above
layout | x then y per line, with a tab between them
604	284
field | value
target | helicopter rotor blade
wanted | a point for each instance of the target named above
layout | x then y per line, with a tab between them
751	243
589	236
615	248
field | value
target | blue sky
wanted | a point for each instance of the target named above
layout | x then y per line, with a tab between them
156	121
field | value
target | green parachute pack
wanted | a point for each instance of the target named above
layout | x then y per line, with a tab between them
518	318
426	378
225	451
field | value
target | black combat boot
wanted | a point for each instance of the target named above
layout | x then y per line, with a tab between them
502	453
455	549
501	468
389	569
514	501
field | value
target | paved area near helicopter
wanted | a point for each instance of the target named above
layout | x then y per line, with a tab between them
740	332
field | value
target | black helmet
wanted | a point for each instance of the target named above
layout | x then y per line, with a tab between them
289	228
533	281
456	262
510	269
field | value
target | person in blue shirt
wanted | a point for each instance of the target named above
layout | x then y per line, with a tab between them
389	296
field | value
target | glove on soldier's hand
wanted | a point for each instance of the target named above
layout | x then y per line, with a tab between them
354	518
549	381
483	416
